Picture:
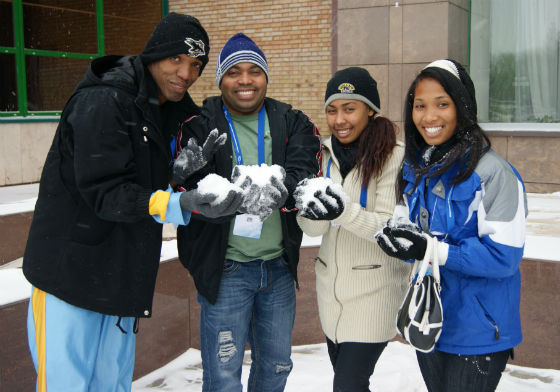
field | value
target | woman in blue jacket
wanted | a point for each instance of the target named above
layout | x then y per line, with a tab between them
455	188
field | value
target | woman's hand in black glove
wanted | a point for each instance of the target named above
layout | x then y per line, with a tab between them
327	205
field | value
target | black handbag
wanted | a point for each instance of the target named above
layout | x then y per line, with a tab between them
420	316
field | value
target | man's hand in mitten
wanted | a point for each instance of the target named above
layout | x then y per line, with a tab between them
329	206
251	195
275	193
210	204
193	157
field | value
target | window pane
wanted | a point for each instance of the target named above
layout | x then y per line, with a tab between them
65	26
51	81
128	24
6	25
8	92
515	54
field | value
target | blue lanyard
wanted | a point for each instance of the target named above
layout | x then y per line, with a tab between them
235	140
363	193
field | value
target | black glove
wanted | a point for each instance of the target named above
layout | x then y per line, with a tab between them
207	204
193	157
330	208
404	241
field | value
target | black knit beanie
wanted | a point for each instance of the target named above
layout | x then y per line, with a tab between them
353	83
177	34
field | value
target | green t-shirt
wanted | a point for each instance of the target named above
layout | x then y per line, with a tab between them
269	245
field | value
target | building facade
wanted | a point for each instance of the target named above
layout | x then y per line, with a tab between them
305	41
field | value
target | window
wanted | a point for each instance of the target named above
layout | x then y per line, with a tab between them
515	60
47	45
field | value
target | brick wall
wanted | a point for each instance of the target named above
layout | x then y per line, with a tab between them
295	36
72	27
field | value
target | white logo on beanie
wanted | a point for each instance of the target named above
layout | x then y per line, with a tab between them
347	88
196	47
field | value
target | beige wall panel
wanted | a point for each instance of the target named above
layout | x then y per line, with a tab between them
345	4
464	4
425	32
458	29
536	159
420	1
541	188
363	36
10	135
500	145
395	35
35	144
395	93
381	75
460	3
409	72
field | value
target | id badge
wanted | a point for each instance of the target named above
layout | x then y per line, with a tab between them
247	225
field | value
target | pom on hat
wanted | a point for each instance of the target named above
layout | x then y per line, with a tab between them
177	34
239	49
353	83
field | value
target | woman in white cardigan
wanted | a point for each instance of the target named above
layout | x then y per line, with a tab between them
359	287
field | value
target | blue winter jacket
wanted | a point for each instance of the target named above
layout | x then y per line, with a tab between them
483	221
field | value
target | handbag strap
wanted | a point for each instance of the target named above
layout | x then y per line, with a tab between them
431	255
435	260
421	266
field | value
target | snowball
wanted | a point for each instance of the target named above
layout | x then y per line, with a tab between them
305	193
259	175
216	185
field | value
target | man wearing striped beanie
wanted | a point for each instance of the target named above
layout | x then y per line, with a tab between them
244	266
241	54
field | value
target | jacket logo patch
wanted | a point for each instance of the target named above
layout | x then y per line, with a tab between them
346	88
196	47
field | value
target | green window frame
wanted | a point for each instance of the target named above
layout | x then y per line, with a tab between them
21	53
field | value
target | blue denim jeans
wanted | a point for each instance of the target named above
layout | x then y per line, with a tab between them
256	304
443	372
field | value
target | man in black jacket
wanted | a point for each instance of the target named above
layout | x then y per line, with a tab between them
94	245
245	266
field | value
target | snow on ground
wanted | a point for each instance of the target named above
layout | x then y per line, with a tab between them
396	371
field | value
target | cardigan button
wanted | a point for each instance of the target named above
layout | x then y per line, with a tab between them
145	128
146	312
145	139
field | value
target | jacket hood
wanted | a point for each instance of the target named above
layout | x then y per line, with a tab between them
115	71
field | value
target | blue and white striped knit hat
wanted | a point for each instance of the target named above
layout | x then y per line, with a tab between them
239	49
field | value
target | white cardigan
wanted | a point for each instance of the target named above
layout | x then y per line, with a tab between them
358	305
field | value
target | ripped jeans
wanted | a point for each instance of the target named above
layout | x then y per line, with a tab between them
256	304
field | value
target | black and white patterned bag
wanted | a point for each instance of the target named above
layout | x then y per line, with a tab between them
420	316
